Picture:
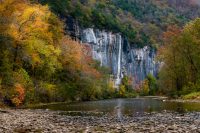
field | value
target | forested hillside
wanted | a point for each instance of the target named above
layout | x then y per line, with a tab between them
39	62
141	21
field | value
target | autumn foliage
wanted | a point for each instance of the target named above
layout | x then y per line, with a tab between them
180	60
19	95
39	63
78	57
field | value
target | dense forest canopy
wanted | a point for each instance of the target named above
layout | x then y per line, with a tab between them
180	54
142	21
40	63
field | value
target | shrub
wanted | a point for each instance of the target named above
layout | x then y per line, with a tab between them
122	90
153	88
192	96
45	92
191	87
19	95
145	87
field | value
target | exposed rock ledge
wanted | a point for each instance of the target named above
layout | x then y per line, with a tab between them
51	121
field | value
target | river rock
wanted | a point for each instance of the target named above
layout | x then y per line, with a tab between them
53	122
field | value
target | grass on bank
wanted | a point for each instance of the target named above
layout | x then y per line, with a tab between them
192	96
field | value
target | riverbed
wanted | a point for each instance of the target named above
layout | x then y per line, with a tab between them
115	116
58	122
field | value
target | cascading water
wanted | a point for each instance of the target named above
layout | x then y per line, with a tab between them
118	79
100	42
114	51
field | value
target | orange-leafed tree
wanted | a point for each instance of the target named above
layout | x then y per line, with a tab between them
19	95
76	57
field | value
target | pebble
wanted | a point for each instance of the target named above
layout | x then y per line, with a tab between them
47	121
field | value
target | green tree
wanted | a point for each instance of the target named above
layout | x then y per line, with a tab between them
152	83
122	90
181	58
145	87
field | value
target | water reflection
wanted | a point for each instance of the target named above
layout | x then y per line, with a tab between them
180	108
120	107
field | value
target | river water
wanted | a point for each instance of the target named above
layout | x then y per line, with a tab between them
122	107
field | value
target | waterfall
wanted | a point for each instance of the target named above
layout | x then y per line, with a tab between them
119	43
113	51
100	55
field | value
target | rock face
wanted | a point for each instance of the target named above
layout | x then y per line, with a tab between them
114	51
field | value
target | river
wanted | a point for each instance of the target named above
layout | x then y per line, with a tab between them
120	107
135	115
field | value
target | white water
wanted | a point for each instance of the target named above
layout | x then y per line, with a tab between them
107	48
100	51
118	80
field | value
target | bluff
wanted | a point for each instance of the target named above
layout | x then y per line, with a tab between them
114	51
132	28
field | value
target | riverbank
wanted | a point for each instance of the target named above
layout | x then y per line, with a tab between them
185	100
182	100
21	120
